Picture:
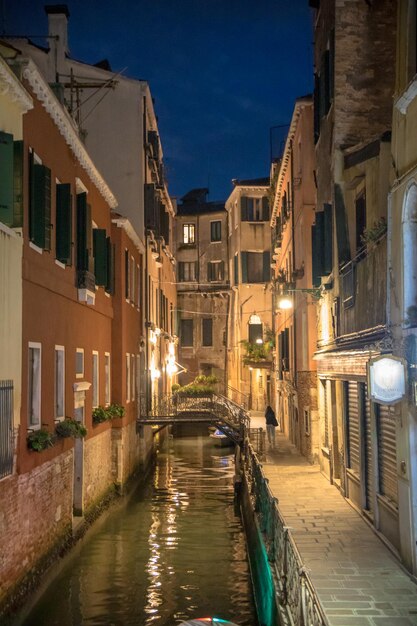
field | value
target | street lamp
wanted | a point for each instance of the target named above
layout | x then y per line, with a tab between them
285	300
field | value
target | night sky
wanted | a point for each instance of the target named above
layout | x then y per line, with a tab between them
222	73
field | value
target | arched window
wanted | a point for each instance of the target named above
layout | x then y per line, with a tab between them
255	329
409	230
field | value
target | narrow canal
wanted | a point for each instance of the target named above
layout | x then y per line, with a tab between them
176	550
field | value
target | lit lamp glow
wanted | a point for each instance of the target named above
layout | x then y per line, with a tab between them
285	303
155	373
259	340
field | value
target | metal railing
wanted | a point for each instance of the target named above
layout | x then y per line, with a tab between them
297	595
6	428
217	407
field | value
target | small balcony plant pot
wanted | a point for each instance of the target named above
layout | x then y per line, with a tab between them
39	440
70	428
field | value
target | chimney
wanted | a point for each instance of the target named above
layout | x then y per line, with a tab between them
58	15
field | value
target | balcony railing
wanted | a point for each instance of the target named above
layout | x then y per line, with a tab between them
363	289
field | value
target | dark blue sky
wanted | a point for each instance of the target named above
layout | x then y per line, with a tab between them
222	72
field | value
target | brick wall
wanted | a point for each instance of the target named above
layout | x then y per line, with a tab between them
36	511
130	451
98	476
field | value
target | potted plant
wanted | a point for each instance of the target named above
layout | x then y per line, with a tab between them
70	428
100	415
115	410
39	440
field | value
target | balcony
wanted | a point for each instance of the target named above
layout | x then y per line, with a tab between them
363	290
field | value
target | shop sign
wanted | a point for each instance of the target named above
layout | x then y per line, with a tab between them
386	379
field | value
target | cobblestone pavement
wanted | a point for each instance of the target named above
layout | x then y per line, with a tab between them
358	580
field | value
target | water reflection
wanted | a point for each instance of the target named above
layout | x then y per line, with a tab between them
175	551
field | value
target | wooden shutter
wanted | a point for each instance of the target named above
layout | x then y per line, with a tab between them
244	209
208	331
236	268
244	266
265	209
17	184
181	270
317	245
221	270
40	206
353	426
342	236
127	274
63	225
328	239
100	256
387	454
6	178
150	206
83	219
266	266
110	266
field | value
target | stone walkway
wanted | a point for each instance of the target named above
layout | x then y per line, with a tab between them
358	580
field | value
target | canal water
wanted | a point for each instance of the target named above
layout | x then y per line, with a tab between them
175	550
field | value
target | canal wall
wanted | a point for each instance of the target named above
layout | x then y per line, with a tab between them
37	525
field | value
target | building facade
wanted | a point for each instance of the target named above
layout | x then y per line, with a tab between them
202	286
293	213
250	332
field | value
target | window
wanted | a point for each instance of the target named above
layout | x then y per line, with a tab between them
34	372
207	331
255	333
188	233
59	382
95	380
216	231
255	267
186	333
133	280
137	381
107	389
127	377
187	271
215	270
63	224
11	180
138	283
254	209
236	268
100	253
84	234
40	204
133	381
79	363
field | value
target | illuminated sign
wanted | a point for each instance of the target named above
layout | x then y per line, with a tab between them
386	379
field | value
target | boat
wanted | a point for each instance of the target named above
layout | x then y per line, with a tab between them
221	439
207	620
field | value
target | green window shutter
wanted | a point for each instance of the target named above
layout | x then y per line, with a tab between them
317	234
342	236
328	239
244	266
6	178
243	209
17	184
236	269
83	214
100	256
63	225
266	266
265	209
181	270
40	206
110	266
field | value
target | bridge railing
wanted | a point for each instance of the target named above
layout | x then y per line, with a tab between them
297	594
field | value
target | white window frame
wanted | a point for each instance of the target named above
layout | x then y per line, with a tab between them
59	384
79	374
188	233
95	378
34	399
127	377
107	378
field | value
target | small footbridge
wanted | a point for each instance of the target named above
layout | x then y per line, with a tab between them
214	409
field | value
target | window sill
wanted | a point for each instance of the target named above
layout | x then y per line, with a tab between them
61	265
35	247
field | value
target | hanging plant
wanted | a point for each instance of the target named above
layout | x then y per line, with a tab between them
39	440
70	428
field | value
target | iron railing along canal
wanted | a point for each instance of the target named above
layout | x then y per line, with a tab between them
6	428
297	595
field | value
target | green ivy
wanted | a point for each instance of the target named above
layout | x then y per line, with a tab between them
39	440
70	428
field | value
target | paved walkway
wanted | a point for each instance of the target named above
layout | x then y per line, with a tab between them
357	578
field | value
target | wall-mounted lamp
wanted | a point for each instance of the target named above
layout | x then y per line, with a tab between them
285	300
